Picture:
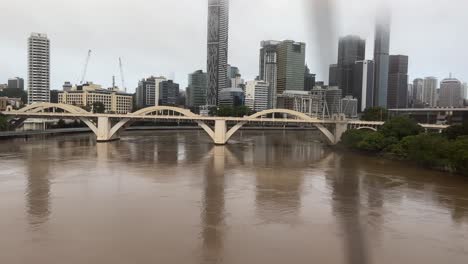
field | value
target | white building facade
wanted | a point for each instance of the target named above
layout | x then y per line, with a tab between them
256	95
38	68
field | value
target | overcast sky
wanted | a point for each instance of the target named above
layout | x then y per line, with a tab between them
168	37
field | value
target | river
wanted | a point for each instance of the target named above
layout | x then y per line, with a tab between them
267	197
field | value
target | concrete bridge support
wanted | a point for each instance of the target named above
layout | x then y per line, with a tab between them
104	127
340	129
220	137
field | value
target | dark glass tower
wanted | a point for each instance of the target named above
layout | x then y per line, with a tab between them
381	58
350	50
218	26
398	82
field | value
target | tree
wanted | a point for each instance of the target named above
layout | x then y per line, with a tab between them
459	155
375	114
453	132
353	137
4	125
428	149
98	108
401	127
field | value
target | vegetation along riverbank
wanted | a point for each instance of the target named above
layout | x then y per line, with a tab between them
402	138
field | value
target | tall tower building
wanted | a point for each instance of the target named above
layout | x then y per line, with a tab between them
350	50
430	91
364	84
381	58
38	68
291	66
218	34
397	96
418	92
269	69
196	91
450	93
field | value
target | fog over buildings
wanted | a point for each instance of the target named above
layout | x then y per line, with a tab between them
166	37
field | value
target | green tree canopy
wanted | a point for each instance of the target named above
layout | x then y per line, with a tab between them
375	114
401	127
4	125
453	132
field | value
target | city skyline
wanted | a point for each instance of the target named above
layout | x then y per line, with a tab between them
68	50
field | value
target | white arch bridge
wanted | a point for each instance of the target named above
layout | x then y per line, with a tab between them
107	127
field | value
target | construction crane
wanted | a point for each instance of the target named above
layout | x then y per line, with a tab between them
83	76
122	75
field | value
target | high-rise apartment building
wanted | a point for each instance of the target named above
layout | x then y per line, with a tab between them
450	93
429	92
350	50
418	92
381	59
364	84
269	69
333	75
38	68
168	93
291	66
309	80
196	90
397	96
16	83
147	92
256	95
218	35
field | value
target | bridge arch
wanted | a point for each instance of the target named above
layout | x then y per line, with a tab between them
124	123
40	107
328	135
367	128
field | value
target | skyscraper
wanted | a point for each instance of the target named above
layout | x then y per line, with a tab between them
269	69
256	95
291	66
168	93
450	93
196	91
381	58
333	75
397	96
429	91
16	83
350	50
38	68
218	34
364	84
147	92
418	92
309	80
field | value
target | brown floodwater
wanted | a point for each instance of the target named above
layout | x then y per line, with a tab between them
268	197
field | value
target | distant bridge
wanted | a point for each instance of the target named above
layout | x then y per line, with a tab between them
107	127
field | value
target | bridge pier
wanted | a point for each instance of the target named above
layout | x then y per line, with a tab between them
340	129
104	127
220	131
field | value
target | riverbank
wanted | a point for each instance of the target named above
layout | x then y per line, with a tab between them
403	139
